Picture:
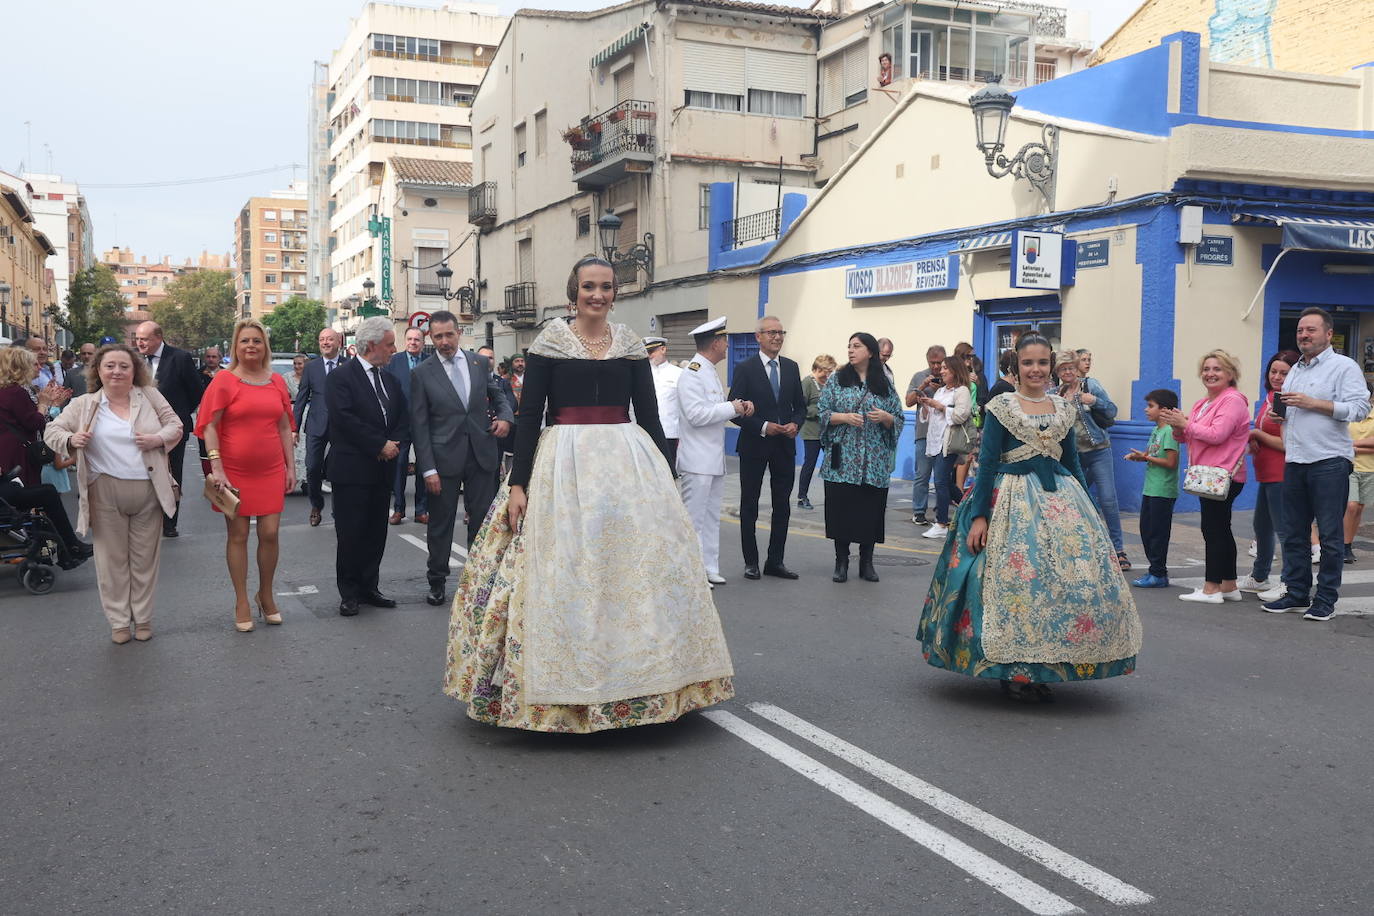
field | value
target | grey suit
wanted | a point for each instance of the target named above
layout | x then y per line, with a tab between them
455	440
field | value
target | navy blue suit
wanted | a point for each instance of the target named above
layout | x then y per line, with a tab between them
759	453
400	368
316	429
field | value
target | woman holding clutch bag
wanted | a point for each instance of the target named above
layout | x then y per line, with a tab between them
120	433
246	421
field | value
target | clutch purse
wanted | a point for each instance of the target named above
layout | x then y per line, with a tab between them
226	500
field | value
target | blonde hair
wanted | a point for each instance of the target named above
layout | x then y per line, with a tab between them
239	327
1228	362
17	366
143	376
1066	358
824	361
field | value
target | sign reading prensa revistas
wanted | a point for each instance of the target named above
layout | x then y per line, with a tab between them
1036	259
921	276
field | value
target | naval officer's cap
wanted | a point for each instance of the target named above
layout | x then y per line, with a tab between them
653	343
714	326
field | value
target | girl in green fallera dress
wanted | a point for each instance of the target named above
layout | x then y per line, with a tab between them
1027	590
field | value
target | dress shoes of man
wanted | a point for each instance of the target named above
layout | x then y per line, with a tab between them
779	570
396	518
422	518
752	572
376	599
170	531
348	608
315	518
436	595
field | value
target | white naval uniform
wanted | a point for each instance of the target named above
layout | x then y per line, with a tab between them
701	453
666	377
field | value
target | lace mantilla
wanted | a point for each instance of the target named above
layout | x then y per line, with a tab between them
1037	436
557	341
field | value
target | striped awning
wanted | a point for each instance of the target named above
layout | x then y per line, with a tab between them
620	45
1315	232
985	242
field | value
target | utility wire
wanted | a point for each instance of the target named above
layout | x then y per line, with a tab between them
178	182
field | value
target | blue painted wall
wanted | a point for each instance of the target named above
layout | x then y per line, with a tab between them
720	256
1130	94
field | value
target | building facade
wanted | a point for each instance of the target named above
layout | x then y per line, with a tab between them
1328	37
271	240
1195	205
27	285
144	284
401	84
60	212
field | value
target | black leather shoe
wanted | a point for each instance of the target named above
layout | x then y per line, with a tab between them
348	608
779	570
752	572
867	572
377	599
436	595
170	532
841	571
82	550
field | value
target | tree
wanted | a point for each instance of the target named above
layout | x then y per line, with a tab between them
296	325
199	309
94	307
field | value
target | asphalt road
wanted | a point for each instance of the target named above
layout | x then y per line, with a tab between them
317	768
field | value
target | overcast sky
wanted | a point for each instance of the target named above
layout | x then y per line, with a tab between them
158	90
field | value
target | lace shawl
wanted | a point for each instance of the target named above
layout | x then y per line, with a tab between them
557	341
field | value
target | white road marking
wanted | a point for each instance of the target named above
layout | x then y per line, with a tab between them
987	870
303	590
457	559
1355	606
1076	870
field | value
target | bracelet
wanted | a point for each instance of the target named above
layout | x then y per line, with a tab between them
213	454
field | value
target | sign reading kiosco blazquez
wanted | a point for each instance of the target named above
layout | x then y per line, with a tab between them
922	276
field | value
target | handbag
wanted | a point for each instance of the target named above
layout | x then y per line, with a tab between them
225	500
1208	481
36	451
960	441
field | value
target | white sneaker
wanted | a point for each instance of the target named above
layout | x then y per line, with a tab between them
1201	598
1232	595
1248	584
715	578
1254	549
1316	554
1274	594
935	531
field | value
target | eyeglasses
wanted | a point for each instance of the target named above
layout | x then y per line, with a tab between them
773	333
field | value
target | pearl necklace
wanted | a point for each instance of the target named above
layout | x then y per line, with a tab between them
1040	400
599	346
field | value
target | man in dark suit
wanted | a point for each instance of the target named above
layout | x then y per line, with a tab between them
179	382
767	443
457	413
311	394
368	420
401	365
505	443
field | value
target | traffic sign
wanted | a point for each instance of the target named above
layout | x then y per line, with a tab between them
419	320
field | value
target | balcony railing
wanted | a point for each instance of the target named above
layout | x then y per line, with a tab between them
520	310
421	141
425	100
431	58
482	203
756	227
1045	70
428	289
604	145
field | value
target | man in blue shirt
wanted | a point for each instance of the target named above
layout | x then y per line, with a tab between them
401	365
1324	392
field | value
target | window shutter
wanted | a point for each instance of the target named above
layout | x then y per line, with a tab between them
712	68
777	70
832	84
855	71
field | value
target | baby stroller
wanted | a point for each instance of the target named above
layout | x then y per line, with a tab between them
29	540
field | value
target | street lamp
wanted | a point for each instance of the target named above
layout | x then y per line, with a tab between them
372	306
27	305
466	295
5	290
1035	162
640	254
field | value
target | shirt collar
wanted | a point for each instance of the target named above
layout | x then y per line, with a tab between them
160	348
764	358
1309	362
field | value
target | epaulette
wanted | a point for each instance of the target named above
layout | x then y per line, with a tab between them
694	366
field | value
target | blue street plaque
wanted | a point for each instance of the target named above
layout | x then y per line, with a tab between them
1218	250
1093	254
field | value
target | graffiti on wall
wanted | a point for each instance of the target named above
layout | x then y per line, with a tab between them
1240	32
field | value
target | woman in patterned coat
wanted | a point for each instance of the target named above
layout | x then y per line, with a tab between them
1027	590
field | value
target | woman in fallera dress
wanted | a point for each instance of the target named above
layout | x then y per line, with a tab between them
1027	590
583	605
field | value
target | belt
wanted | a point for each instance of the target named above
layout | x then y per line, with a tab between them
588	415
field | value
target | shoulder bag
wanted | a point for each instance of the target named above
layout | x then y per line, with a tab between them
36	451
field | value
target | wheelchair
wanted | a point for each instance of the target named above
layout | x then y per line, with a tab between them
29	541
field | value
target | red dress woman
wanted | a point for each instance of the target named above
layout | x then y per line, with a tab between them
247	423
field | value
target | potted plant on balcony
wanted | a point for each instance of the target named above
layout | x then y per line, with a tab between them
618	114
594	127
573	134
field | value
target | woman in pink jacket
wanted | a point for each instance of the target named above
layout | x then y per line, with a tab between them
1217	431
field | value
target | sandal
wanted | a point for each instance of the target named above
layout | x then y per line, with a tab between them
1122	560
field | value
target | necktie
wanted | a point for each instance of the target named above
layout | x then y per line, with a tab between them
773	379
328	366
381	390
458	376
152	362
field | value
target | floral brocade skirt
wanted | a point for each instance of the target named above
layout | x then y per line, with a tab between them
1044	602
596	614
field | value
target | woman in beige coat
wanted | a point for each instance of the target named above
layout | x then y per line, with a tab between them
120	434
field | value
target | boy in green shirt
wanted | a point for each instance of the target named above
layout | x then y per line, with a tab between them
1161	489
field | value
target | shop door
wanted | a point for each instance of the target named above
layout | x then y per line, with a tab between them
1344	341
1000	322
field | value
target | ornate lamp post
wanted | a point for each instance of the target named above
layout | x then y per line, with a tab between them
1035	162
640	254
5	290
372	305
466	295
27	305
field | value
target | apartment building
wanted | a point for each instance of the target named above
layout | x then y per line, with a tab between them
145	283
948	41
665	98
270	244
426	201
401	84
26	281
60	212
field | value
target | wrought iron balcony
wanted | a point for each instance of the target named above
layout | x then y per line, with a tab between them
613	144
755	227
520	310
482	204
428	289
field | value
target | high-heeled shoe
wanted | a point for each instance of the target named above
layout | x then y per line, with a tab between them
273	619
243	626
